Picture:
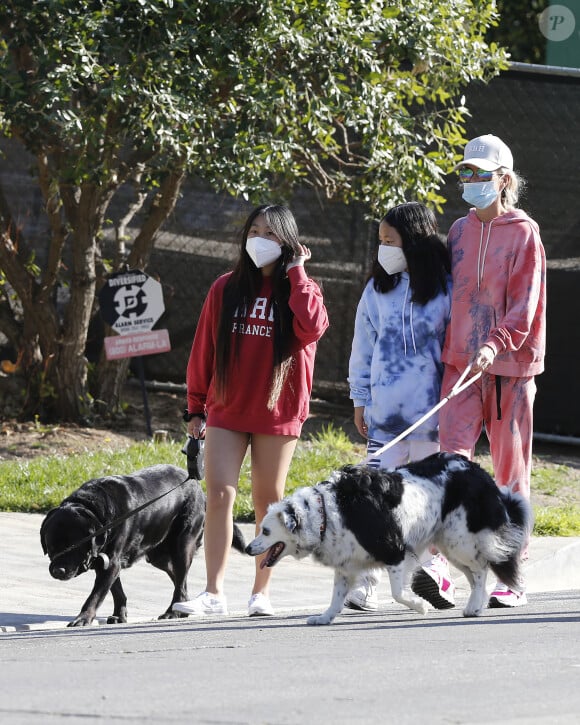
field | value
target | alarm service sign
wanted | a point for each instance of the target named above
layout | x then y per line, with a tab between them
131	302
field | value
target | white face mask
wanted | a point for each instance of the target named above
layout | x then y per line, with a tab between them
263	251
392	259
480	193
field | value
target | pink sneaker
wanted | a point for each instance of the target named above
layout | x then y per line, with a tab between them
503	596
433	583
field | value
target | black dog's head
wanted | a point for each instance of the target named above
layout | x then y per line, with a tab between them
65	527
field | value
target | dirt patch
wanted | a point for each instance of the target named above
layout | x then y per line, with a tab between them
27	440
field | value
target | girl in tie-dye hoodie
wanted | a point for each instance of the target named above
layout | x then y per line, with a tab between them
395	368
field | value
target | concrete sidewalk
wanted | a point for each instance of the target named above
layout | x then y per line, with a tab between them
31	599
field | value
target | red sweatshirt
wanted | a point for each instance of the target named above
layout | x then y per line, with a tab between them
246	405
499	293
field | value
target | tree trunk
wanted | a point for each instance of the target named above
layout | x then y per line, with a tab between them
35	337
111	376
68	371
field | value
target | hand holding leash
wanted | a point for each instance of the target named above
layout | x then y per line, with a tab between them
195	424
194	449
483	359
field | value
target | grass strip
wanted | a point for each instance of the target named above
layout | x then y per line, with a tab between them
38	484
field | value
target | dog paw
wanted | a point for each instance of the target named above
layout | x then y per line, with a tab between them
118	617
469	612
170	614
319	619
80	621
421	606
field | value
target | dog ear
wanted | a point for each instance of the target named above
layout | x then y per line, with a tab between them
43	529
354	478
290	518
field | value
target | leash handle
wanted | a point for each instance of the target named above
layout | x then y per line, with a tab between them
459	387
460	379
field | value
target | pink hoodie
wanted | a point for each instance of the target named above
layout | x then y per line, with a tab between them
499	293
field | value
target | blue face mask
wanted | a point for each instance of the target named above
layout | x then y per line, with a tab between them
480	194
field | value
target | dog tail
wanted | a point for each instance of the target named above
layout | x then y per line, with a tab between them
507	542
238	541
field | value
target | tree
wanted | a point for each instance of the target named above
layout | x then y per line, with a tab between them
358	98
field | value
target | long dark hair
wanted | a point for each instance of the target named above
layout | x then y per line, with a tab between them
427	256
241	290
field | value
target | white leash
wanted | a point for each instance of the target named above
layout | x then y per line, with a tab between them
459	387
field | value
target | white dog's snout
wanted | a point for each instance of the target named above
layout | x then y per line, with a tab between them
255	547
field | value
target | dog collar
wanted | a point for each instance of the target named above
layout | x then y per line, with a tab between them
322	509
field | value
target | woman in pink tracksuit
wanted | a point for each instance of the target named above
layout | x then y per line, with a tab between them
498	326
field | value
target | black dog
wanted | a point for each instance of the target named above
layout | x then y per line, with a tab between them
167	533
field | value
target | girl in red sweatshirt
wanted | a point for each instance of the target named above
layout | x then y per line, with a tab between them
249	380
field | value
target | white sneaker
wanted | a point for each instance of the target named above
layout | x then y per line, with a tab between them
204	605
433	583
259	606
503	596
364	597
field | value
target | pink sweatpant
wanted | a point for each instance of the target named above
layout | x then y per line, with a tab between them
510	438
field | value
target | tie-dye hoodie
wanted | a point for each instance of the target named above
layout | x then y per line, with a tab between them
499	293
395	367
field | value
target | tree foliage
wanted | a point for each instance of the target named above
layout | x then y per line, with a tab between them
361	99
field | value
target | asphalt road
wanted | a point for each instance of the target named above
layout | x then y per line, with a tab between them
510	666
394	666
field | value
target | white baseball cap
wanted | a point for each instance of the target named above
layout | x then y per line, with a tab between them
488	153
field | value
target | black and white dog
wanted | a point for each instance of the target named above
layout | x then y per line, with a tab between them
363	517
